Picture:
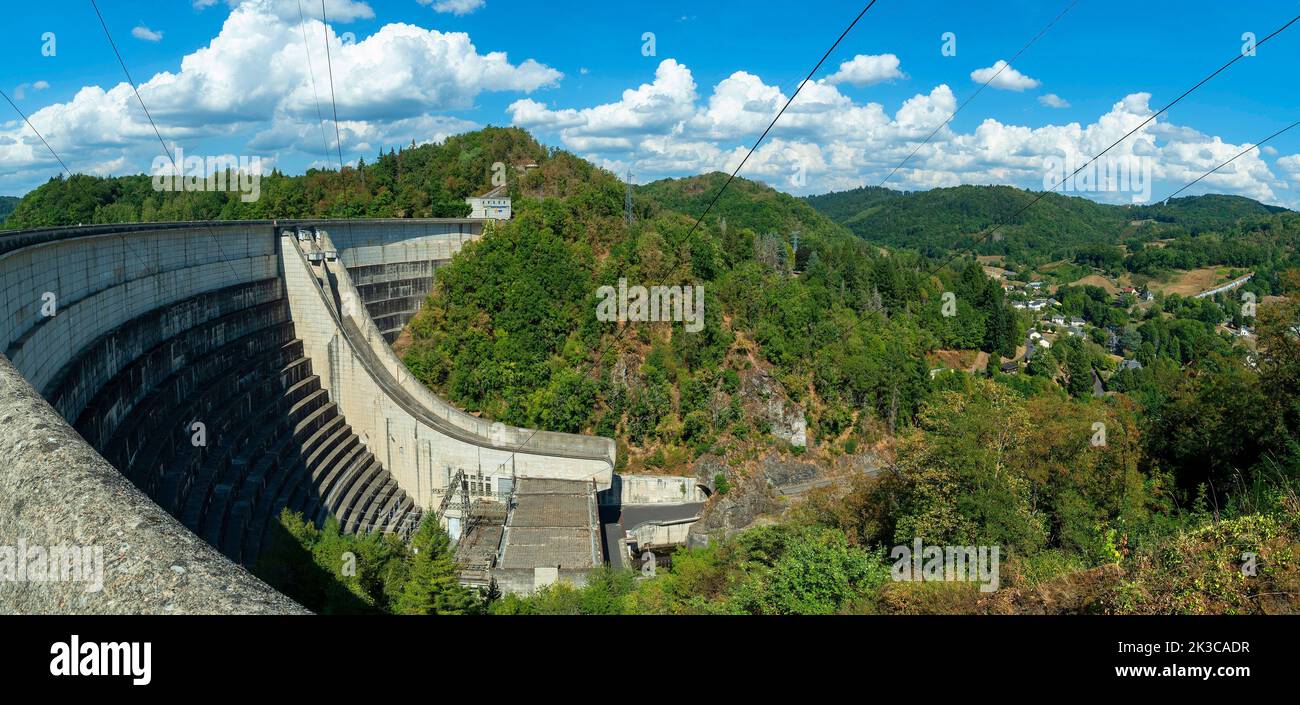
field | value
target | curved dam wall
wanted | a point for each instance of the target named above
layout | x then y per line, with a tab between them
57	495
422	439
167	389
392	263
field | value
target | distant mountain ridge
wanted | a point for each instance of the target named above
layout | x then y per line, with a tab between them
744	204
940	220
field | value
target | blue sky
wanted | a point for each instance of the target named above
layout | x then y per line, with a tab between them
227	77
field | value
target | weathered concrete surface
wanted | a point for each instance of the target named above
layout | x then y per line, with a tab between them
392	263
649	524
653	489
418	436
56	490
136	303
651	536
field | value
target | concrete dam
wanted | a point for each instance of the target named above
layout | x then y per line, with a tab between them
167	389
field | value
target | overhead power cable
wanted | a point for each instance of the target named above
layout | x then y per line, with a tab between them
338	137
1006	65
601	351
984	234
772	124
175	166
1243	152
320	118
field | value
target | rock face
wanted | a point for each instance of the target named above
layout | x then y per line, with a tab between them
773	477
768	400
750	497
783	474
707	469
730	513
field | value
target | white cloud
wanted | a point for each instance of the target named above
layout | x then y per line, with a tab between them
1002	75
455	7
249	89
866	69
1053	100
251	83
287	10
359	137
650	108
1290	165
20	91
148	35
838	143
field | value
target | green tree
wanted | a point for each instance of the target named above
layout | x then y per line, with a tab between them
431	586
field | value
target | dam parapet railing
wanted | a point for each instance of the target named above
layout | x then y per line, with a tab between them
487	432
59	496
334	325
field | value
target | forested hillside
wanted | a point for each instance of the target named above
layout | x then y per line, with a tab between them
844	329
1182	234
425	181
840	328
7	205
938	221
1201	458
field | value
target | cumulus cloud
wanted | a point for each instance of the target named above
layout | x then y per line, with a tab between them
827	141
1002	75
1290	165
1053	100
650	108
20	91
866	69
455	7
249	88
148	35
251	82
287	10
358	136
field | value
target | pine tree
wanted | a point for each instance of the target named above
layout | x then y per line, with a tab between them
432	586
